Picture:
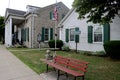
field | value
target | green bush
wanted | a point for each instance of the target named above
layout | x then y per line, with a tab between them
65	48
59	44
100	53
112	49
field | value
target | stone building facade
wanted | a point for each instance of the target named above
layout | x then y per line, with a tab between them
37	23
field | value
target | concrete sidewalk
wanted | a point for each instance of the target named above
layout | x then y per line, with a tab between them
11	68
53	76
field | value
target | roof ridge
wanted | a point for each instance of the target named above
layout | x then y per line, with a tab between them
15	10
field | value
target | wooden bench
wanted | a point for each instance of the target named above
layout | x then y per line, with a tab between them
74	67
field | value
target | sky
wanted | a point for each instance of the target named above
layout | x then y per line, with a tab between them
21	4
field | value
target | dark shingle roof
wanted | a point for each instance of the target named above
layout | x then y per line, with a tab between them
53	5
16	12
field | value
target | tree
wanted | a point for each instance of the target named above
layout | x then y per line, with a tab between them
97	11
2	27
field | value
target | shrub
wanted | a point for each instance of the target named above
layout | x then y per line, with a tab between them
65	48
112	49
100	53
59	44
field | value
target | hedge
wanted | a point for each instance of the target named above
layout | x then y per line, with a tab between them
112	49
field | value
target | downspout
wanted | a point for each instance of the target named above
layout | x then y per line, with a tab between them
33	31
31	28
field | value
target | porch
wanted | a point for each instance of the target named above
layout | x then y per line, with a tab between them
13	27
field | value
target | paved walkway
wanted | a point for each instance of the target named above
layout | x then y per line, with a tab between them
11	68
53	76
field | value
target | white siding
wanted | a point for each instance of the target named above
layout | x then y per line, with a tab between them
115	29
72	22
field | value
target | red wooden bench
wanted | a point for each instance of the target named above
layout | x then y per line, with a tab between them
74	67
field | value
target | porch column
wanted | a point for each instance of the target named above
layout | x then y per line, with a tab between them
10	34
6	33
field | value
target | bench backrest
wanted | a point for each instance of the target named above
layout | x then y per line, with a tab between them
75	64
61	60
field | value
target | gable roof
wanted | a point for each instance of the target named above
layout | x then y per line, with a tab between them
67	15
53	5
25	13
15	12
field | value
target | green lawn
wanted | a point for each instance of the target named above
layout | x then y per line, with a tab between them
100	68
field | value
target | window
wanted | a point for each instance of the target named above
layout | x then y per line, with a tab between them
98	34
72	36
47	34
51	15
63	15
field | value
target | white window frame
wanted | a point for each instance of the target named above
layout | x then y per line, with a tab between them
94	26
70	34
48	35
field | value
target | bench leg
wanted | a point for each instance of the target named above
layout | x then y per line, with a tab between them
66	75
75	78
47	68
54	69
82	77
58	74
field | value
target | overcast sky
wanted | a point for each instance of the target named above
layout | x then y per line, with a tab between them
21	4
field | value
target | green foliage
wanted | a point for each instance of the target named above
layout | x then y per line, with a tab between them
97	11
97	53
97	66
1	27
65	48
59	44
112	49
100	53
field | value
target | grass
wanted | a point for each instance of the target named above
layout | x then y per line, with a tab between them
100	68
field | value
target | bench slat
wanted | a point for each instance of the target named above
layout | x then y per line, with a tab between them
71	66
72	72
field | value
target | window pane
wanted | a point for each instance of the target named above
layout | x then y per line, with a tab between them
98	34
46	34
72	36
46	31
46	37
97	37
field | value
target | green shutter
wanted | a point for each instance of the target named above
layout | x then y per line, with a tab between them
51	15
67	35
27	34
63	15
106	32
22	34
51	33
90	34
42	33
16	35
77	36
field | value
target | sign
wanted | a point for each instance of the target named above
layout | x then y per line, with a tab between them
39	37
76	32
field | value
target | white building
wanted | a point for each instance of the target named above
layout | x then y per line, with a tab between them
92	36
